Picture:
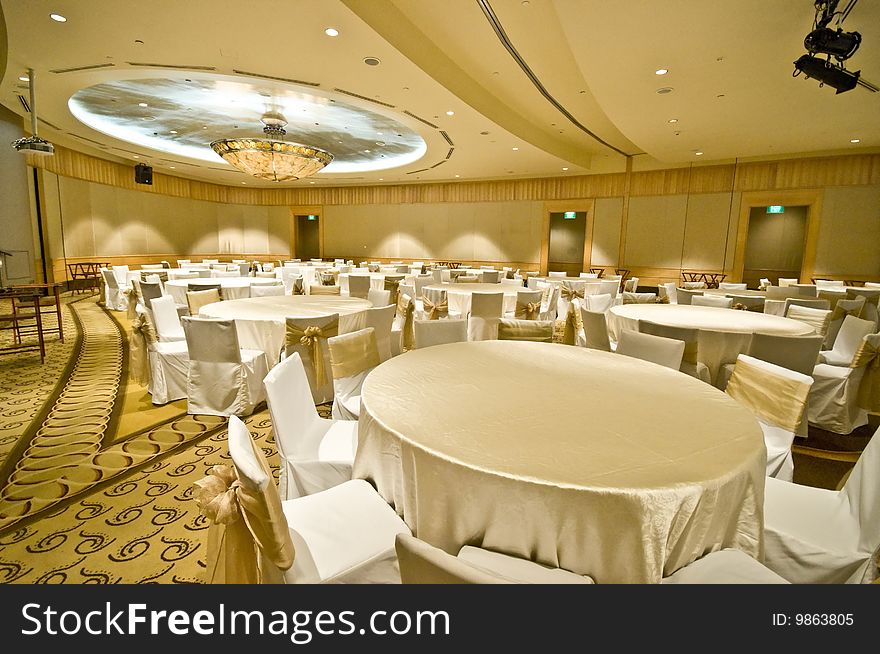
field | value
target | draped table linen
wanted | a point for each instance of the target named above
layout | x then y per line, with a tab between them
233	288
459	295
723	333
260	321
630	495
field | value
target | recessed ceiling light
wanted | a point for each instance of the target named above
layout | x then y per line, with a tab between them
450	113
565	168
135	156
371	61
855	140
311	182
699	153
661	71
24	78
142	104
58	18
331	31
174	131
244	182
672	121
381	179
664	90
367	151
204	127
172	167
515	149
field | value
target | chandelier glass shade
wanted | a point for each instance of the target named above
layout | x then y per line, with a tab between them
272	158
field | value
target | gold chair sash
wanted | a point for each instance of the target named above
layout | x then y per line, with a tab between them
868	355
776	400
572	325
839	312
435	311
527	310
130	295
525	330
142	334
310	337
691	349
351	356
392	285
406	308
570	293
244	523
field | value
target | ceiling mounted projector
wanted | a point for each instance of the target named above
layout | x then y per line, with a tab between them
33	144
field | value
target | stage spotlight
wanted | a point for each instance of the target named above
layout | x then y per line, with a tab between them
826	73
839	44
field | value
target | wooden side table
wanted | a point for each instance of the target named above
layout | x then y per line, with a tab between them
25	297
49	302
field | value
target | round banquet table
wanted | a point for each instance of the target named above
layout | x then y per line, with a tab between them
234	288
723	333
642	486
259	321
459	295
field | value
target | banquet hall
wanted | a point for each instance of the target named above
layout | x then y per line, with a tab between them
461	292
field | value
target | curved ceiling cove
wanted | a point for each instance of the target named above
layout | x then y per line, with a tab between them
182	116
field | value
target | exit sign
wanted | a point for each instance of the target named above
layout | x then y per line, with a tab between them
313	217
776	209
569	215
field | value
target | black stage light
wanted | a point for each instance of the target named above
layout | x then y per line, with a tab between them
839	44
826	73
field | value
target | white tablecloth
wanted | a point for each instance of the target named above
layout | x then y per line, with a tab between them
459	295
601	464
259	321
724	333
377	280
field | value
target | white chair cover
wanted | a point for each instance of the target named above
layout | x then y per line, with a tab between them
656	349
690	363
352	357
167	320
686	295
724	567
667	292
813	535
379	298
732	286
818	318
595	330
849	338
778	399
267	290
359	285
316	453
381	319
439	332
712	301
834	399
223	378
114	297
486	311
600	303
168	361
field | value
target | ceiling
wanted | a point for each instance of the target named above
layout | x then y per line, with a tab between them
475	89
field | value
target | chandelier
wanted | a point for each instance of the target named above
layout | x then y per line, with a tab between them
272	158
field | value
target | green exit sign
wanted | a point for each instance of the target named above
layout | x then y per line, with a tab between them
313	217
776	209
569	215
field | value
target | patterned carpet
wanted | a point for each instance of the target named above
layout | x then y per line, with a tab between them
81	500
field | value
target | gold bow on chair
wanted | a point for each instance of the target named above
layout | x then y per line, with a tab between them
310	337
393	285
130	295
572	325
868	355
527	310
740	306
244	522
142	334
406	307
570	293
435	311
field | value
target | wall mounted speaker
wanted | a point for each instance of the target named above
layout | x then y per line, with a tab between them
143	174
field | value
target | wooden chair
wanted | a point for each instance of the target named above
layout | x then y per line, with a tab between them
49	302
26	297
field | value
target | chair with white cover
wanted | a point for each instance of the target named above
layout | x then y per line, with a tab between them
718	301
379	298
596	330
394	283
818	319
727	566
732	286
787	281
631	297
402	327
631	285
344	534
224	273
515	283
152	266
308	337
224	379
601	302
812	302
550	303
195	300
690	365
512	329
686	295
183	263
439	332
167	320
114	298
764	284
557	274
849	337
777	397
359	285
667	292
322	289
435	304
841	309
161	365
797	353
267	290
610	287
588	275
466	279
528	305
203	273
352	357
747	302
665	352
569	291
872	298
819	536
838	403
316	453
486	311
381	319
422	563
149	291
490	276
